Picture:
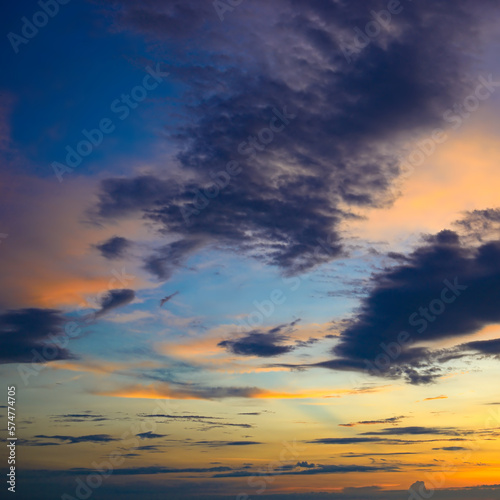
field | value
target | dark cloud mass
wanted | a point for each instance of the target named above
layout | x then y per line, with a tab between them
488	347
443	289
114	299
38	335
25	332
338	123
263	345
113	248
411	298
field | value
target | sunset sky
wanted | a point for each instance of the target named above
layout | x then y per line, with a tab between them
250	249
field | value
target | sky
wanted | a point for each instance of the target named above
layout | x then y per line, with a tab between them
250	249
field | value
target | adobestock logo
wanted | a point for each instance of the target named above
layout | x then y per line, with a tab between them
122	107
363	38
40	19
223	6
457	116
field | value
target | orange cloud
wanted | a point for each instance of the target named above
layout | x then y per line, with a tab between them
147	392
438	397
165	391
98	367
461	175
49	250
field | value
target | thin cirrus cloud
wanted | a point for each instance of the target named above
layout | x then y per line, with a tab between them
92	438
357	108
79	417
415	431
390	420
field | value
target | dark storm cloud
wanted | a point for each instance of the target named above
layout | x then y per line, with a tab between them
444	289
333	120
114	248
265	345
114	299
23	331
455	282
488	347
